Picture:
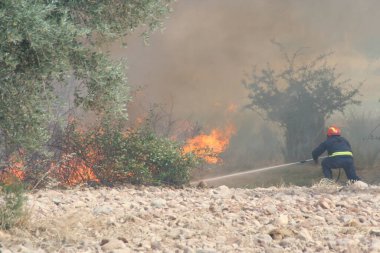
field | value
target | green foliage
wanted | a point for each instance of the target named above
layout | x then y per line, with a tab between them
136	156
46	42
12	201
300	99
110	19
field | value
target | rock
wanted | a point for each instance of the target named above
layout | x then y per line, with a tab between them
375	245
359	185
155	245
287	242
273	250
113	244
212	207
280	233
201	185
345	218
375	232
352	223
304	234
125	250
102	210
264	239
4	236
205	251
353	249
222	219
57	201
104	241
24	249
223	191
5	250
270	209
324	203
282	220
122	239
158	203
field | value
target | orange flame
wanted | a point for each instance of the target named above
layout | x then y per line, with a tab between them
74	171
210	146
15	170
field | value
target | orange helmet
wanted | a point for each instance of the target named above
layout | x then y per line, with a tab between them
333	131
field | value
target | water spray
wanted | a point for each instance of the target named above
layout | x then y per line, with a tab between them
252	171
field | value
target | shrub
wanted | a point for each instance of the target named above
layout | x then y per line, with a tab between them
136	156
360	131
12	200
164	158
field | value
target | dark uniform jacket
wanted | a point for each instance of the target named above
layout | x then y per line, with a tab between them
332	145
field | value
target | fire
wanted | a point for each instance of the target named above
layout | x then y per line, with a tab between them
210	146
15	170
71	171
74	170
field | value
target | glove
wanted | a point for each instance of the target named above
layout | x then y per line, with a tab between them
316	161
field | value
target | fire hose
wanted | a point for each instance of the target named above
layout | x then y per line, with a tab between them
257	170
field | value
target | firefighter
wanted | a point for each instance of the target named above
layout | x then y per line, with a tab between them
339	155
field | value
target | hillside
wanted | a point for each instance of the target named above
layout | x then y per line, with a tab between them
152	219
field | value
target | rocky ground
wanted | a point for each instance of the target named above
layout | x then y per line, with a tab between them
152	219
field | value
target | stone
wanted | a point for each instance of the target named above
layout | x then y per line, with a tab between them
287	242
270	209
280	233
5	250
201	185
375	232
324	203
4	236
57	201
24	249
287	219
263	239
282	220
155	245
205	251
304	234
102	210
125	250
359	185
113	244
158	203
375	245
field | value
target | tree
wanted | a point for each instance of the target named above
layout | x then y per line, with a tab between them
300	99
44	42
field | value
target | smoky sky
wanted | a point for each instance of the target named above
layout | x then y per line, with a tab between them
198	61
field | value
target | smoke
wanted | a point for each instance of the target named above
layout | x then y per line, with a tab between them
197	63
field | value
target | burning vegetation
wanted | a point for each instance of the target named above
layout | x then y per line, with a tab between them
109	154
14	171
210	146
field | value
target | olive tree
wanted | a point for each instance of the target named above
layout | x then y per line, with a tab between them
44	43
300	98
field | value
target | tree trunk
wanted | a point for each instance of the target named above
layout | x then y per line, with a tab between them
302	135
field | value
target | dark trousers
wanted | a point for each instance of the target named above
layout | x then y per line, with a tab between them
336	162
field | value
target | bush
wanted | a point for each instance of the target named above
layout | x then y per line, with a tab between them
136	156
366	147
12	200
